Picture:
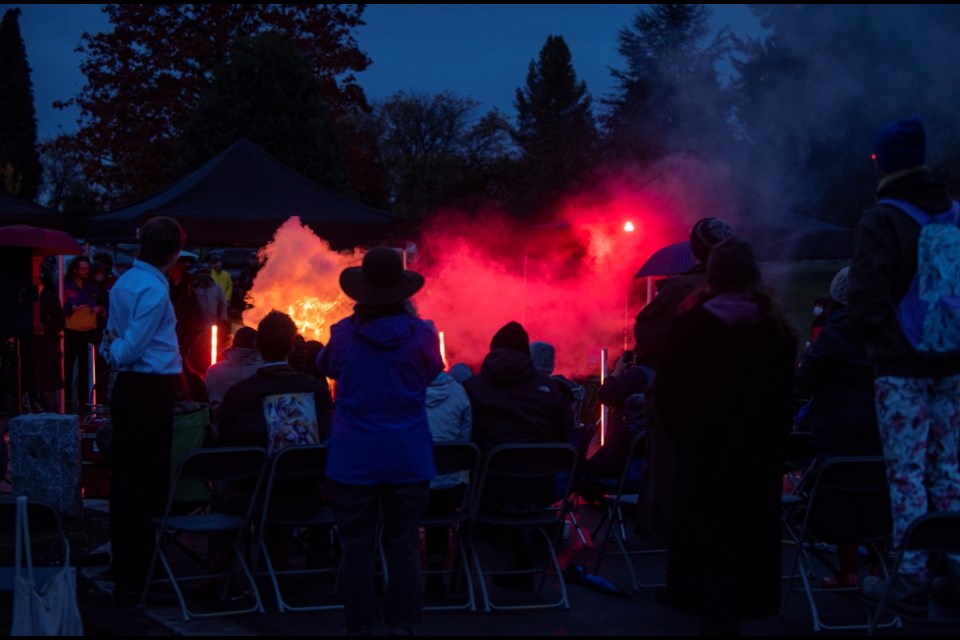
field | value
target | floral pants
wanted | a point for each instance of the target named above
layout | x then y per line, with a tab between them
919	422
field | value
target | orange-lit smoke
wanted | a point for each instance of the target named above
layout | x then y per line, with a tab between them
570	282
300	276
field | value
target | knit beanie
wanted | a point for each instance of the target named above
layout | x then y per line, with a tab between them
901	144
511	336
705	234
840	286
245	338
542	353
732	265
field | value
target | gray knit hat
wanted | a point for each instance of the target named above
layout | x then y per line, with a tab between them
840	287
542	353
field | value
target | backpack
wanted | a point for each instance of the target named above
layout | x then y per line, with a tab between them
929	313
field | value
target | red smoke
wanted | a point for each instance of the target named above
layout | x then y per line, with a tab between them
569	282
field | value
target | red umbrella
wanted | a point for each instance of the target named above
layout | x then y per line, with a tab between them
44	242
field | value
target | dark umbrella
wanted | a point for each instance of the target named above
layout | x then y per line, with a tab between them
671	259
44	242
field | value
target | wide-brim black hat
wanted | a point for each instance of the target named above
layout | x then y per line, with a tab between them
381	279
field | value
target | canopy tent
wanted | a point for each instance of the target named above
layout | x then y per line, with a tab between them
16	210
240	198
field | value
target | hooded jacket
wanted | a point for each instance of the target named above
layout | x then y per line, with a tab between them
382	368
513	403
451	420
883	266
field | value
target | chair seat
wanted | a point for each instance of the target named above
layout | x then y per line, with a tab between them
202	523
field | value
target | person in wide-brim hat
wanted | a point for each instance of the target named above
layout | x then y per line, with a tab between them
381	279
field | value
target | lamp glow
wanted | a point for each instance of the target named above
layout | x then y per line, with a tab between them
628	226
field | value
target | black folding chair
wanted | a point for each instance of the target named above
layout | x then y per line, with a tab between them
518	490
303	470
935	532
848	502
613	523
449	458
50	546
209	466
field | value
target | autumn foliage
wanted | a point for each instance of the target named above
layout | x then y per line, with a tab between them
145	78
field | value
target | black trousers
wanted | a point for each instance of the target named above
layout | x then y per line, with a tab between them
142	416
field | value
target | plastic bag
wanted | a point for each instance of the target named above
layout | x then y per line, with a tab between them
42	610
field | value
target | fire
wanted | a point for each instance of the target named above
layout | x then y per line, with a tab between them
300	275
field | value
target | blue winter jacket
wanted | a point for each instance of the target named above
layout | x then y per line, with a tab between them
382	368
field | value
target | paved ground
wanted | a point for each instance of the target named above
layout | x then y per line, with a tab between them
592	613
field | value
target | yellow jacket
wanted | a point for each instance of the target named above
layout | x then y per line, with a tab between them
223	279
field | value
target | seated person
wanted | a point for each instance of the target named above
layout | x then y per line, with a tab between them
623	392
274	408
842	416
514	403
238	362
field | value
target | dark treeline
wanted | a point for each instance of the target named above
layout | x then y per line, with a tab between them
789	115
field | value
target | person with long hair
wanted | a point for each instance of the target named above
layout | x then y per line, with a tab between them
725	390
83	307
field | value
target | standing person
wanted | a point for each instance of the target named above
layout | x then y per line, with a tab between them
141	344
654	509
213	304
724	394
83	305
221	276
381	452
45	346
186	306
917	393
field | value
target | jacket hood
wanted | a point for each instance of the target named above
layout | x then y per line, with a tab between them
386	332
734	309
507	366
440	389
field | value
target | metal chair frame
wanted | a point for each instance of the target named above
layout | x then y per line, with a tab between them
511	470
625	495
209	465
455	457
301	463
837	480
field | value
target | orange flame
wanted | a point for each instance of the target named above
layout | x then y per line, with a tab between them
300	275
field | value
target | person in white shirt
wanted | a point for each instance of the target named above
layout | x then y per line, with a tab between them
140	343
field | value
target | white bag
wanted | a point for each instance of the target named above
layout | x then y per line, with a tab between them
42	610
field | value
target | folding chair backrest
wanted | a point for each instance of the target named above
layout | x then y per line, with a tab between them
451	457
302	462
850	500
223	464
528	471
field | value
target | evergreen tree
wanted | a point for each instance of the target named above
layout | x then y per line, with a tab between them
20	170
669	97
266	92
555	128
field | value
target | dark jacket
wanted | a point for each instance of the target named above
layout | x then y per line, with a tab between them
724	394
884	263
242	420
654	320
512	402
837	372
